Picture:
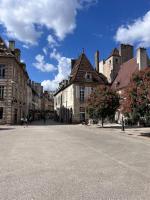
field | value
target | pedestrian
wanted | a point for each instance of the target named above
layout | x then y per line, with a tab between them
123	124
26	121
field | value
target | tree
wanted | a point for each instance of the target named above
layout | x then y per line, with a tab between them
136	98
102	103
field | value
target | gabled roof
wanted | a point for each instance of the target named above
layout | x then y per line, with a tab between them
125	74
115	52
83	66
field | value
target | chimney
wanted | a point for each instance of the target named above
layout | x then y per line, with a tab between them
12	45
23	66
72	63
142	58
97	61
17	54
126	52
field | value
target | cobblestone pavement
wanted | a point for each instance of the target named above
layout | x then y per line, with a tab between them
73	162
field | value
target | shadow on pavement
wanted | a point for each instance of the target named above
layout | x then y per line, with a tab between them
6	129
145	134
108	127
47	123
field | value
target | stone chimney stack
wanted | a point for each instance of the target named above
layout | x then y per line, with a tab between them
17	54
142	58
126	52
12	45
97	61
72	63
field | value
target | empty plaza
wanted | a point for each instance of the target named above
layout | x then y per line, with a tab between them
73	162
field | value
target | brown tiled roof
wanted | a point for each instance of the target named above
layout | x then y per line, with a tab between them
78	74
125	73
115	52
83	66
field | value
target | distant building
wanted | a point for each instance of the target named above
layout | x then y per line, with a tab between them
127	69
19	96
35	93
13	84
72	94
111	66
48	104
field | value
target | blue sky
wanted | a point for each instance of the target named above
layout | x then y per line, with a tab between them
49	33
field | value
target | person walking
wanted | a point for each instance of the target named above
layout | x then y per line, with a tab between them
123	124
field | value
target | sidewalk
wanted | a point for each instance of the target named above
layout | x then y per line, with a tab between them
131	131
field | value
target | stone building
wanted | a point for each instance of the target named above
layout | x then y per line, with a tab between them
111	66
127	69
70	99
13	84
48	104
34	99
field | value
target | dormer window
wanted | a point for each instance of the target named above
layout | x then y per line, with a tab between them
88	76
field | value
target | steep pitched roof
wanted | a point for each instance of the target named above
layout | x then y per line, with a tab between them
83	66
115	52
125	73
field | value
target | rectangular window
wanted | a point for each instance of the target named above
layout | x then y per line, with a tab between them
1	112
2	71
82	91
1	92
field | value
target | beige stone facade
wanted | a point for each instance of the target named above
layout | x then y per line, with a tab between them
111	66
70	101
127	69
13	85
19	97
48	104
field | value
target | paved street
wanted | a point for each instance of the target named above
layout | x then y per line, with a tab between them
73	163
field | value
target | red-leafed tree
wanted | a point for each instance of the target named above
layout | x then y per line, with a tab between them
136	98
102	103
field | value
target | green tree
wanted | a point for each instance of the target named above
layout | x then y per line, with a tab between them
102	103
136	99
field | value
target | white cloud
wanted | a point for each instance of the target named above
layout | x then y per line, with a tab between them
25	46
45	50
64	69
42	65
51	41
25	19
137	32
